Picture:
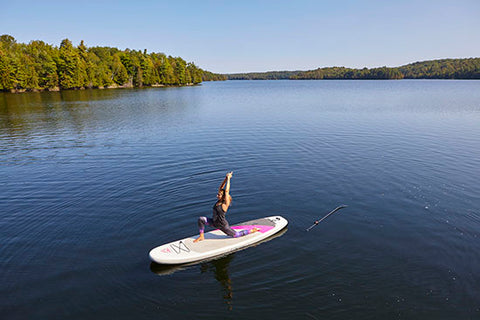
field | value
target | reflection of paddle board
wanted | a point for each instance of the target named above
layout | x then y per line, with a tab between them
216	242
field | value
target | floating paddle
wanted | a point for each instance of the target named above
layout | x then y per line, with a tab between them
331	212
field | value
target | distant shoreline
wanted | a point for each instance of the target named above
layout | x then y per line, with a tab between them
468	68
440	79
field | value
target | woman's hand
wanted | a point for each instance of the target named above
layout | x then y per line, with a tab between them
229	175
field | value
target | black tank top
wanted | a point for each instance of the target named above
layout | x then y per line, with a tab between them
219	215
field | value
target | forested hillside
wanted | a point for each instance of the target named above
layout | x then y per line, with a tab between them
443	69
270	75
40	66
434	69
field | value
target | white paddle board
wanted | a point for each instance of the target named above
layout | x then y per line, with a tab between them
216	243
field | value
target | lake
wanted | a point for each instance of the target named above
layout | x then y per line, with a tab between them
92	180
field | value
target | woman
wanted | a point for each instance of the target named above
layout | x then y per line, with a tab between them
219	210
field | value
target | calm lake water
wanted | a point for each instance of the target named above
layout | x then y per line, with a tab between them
92	180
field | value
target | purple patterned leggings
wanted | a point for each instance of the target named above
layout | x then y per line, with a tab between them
204	221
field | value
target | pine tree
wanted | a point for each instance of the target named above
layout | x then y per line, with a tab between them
119	72
67	65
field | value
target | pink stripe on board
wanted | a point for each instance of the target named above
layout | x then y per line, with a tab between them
262	228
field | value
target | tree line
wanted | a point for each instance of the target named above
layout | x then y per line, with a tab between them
435	69
40	66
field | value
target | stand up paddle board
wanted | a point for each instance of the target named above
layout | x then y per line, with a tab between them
216	243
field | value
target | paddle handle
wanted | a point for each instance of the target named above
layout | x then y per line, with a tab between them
328	214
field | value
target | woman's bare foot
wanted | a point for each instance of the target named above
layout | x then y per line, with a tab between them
200	238
254	230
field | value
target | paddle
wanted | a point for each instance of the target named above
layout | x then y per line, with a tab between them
331	212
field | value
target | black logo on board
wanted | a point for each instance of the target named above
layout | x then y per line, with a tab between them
178	248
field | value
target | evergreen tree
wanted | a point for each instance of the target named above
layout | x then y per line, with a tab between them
168	74
7	74
68	63
43	57
179	70
119	72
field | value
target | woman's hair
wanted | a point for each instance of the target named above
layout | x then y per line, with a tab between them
222	192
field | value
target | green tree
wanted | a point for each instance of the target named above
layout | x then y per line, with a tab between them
195	73
168	73
7	74
7	71
44	57
179	71
67	65
119	72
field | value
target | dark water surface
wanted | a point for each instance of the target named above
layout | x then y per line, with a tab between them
92	180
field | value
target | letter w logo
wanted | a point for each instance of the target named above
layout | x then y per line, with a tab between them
178	248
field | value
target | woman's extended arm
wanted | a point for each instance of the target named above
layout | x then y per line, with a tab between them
226	196
223	184
228	176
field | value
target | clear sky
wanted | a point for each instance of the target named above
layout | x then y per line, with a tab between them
244	36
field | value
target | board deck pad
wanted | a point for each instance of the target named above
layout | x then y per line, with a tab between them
216	243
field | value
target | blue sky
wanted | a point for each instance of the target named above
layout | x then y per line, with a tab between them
245	36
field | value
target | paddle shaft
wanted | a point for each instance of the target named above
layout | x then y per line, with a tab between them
330	213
